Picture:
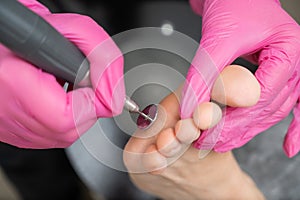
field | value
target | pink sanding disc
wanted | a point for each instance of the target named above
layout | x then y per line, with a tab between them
151	111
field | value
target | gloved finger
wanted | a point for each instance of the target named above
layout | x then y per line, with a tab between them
276	67
291	143
106	60
22	141
217	49
206	66
242	124
203	71
82	30
35	6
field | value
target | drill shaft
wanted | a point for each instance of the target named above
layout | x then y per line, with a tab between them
131	106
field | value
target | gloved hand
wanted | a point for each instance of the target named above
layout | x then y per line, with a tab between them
291	144
261	31
36	112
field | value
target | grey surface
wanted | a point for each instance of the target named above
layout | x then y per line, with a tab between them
263	158
91	156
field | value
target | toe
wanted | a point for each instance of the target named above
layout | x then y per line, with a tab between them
207	115
153	161
186	131
167	143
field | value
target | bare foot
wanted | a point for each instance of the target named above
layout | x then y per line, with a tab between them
166	142
166	165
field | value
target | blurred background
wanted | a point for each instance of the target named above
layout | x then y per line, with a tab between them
77	173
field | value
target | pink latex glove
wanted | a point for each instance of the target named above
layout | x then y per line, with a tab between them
36	112
291	144
261	31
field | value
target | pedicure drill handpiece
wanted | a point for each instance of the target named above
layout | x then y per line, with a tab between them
35	40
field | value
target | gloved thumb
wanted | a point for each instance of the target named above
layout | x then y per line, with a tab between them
105	58
291	145
209	61
221	43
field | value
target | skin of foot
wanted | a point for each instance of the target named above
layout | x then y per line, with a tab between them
161	160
